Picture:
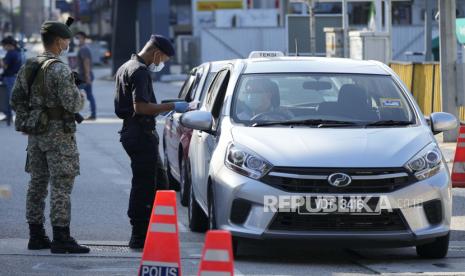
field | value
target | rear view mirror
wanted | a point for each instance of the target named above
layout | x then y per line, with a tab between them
199	120
442	121
317	85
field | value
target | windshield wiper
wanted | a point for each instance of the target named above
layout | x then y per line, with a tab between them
310	122
390	123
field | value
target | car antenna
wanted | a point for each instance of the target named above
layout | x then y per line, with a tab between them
296	47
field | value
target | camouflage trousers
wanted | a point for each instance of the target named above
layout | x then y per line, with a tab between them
56	163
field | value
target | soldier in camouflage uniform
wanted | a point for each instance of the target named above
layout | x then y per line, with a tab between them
52	156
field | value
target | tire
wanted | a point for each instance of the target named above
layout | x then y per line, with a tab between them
436	249
172	183
211	210
185	185
198	221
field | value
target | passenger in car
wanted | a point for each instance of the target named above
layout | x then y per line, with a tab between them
261	100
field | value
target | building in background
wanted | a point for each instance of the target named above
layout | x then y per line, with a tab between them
9	16
32	16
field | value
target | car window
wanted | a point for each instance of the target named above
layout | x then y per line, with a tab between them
219	96
344	97
206	85
183	94
194	89
214	87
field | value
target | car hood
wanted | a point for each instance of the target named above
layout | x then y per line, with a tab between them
335	147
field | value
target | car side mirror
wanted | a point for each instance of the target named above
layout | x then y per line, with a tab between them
442	121
171	101
199	120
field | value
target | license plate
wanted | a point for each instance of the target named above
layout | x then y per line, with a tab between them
353	205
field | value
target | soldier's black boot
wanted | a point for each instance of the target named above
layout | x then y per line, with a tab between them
37	237
63	243
139	231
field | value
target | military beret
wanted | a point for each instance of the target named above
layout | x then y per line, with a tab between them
163	44
57	28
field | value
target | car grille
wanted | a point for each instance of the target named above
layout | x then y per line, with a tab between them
314	180
293	221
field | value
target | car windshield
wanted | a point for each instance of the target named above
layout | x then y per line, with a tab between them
324	100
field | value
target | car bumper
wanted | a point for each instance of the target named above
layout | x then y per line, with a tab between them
230	187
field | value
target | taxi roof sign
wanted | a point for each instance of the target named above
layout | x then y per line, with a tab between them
266	54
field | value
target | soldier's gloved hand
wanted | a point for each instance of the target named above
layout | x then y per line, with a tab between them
181	107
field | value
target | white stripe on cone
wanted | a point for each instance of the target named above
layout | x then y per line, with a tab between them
164	210
163	227
150	263
459	167
216	255
214	273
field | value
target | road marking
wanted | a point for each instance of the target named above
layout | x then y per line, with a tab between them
104	121
457	223
110	171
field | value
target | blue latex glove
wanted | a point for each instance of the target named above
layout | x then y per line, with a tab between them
181	107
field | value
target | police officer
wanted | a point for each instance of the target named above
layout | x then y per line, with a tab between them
45	99
135	103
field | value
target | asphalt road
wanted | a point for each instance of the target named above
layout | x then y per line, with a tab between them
99	218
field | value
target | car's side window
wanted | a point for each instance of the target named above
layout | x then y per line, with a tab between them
186	87
214	87
195	91
219	99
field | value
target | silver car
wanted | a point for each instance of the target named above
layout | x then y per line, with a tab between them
334	150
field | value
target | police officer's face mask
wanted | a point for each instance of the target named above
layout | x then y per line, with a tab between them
157	64
156	68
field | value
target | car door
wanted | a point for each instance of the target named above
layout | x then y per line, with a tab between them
172	138
196	157
207	142
178	130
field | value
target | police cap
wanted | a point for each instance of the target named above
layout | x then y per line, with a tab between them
56	28
163	44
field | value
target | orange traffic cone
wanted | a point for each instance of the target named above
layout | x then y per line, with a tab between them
217	257
458	169
161	251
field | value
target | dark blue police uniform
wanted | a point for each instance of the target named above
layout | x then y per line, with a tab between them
139	137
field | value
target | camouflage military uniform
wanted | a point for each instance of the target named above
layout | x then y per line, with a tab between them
52	156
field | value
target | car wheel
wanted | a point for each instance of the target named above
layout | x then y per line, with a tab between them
185	185
197	219
436	249
211	210
172	183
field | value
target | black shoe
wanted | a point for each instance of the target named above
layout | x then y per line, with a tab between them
63	243
139	231
37	237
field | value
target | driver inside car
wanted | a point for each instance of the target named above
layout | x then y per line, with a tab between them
261	101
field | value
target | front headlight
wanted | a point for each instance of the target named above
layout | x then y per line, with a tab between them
245	162
426	163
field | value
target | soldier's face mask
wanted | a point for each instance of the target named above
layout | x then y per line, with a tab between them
63	46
